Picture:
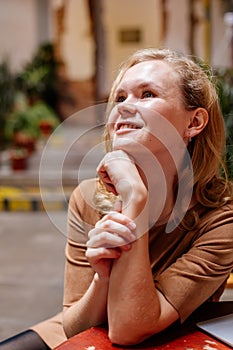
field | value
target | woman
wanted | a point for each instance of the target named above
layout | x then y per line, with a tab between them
141	276
156	229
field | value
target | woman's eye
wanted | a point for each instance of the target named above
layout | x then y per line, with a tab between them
120	99
148	94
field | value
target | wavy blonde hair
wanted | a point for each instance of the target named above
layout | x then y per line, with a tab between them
207	149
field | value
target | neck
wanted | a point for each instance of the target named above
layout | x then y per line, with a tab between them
160	181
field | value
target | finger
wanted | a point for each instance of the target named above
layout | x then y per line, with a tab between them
118	206
111	188
120	225
106	240
105	178
117	229
107	183
125	247
96	254
117	217
103	175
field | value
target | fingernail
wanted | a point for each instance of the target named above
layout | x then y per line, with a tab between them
132	225
126	246
132	237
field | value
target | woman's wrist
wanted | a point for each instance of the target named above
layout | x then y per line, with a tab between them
137	195
101	279
135	202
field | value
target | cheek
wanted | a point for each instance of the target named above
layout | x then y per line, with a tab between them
112	121
112	116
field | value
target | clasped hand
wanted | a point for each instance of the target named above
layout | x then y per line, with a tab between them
112	234
115	232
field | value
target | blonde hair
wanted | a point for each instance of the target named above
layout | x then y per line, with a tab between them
207	149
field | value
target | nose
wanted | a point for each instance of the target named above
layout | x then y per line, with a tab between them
127	109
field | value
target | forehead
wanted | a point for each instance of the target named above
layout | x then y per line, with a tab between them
154	71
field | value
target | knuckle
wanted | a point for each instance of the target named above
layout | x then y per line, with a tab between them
97	225
103	236
90	233
89	253
101	251
108	223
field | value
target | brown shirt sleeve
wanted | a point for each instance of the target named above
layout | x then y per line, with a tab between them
81	218
204	266
78	273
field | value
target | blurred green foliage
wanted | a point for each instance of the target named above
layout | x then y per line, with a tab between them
224	83
27	118
39	77
7	92
28	96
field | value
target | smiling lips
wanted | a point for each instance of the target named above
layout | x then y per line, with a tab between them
124	126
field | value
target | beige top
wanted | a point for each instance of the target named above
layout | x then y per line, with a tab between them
186	265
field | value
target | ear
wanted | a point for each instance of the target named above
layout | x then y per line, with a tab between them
198	122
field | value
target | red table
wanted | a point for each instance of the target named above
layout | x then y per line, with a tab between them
96	338
176	337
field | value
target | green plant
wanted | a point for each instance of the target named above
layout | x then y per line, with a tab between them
224	83
39	77
27	120
7	92
18	153
20	121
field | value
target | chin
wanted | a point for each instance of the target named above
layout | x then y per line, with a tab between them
123	145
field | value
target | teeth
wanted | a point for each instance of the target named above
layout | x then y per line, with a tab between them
128	126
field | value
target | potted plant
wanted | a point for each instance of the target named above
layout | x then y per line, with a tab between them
20	130
25	139
45	118
18	158
26	124
46	127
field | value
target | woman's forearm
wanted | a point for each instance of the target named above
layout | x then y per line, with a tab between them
133	303
90	310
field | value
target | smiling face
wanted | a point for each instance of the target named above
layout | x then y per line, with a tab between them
147	90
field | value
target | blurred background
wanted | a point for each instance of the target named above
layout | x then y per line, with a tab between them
58	58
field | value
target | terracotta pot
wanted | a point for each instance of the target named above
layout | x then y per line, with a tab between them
46	127
25	141
19	159
19	164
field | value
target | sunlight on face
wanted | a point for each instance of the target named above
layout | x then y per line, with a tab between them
147	89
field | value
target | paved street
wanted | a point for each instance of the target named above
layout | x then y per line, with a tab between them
31	269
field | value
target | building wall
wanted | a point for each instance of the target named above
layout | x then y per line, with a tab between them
78	46
177	31
18	28
23	25
129	15
221	37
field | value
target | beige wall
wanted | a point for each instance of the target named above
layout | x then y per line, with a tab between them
122	14
221	37
19	32
78	47
18	28
177	33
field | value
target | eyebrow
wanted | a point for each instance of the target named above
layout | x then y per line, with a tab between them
142	85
